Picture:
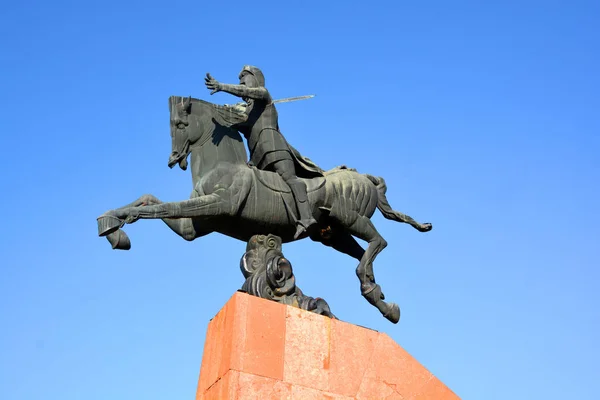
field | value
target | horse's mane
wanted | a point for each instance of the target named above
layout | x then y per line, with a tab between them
194	100
180	101
224	116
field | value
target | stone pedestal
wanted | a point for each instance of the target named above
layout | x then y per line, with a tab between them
259	349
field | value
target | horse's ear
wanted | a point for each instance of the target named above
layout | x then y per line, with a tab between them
187	104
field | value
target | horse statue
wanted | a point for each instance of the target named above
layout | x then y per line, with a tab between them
240	201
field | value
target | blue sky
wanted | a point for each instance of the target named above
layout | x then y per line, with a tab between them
483	119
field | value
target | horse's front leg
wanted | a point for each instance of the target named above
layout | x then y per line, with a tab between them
208	205
202	206
141	201
118	239
184	227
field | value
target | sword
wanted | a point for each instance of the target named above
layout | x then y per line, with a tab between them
241	106
288	99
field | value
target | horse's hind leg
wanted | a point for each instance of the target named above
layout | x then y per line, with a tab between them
345	243
364	229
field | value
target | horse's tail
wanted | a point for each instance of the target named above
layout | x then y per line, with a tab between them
388	212
382	202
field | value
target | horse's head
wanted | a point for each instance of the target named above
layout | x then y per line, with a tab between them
195	122
183	135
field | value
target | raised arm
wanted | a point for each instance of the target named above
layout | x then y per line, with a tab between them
258	93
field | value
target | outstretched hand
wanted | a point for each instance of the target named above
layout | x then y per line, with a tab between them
212	84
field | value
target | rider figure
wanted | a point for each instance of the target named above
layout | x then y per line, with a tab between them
268	148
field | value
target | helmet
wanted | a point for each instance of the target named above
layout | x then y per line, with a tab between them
257	73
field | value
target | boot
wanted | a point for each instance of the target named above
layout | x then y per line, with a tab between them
306	220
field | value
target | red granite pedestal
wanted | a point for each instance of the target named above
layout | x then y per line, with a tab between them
259	349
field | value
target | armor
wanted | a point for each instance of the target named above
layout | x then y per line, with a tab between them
268	148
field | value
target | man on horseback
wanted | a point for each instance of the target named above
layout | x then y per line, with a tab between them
268	148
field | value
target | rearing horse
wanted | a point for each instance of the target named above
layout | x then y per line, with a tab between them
240	201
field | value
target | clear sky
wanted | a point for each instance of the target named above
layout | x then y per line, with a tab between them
483	117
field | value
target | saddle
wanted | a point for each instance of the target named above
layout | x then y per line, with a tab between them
275	182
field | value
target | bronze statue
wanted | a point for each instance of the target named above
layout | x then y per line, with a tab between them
268	149
241	201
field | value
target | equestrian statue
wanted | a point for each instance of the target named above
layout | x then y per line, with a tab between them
276	192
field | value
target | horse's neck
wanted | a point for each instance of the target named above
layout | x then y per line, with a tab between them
221	147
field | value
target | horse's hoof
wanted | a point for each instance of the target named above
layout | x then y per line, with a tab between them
426	227
393	313
119	240
108	224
